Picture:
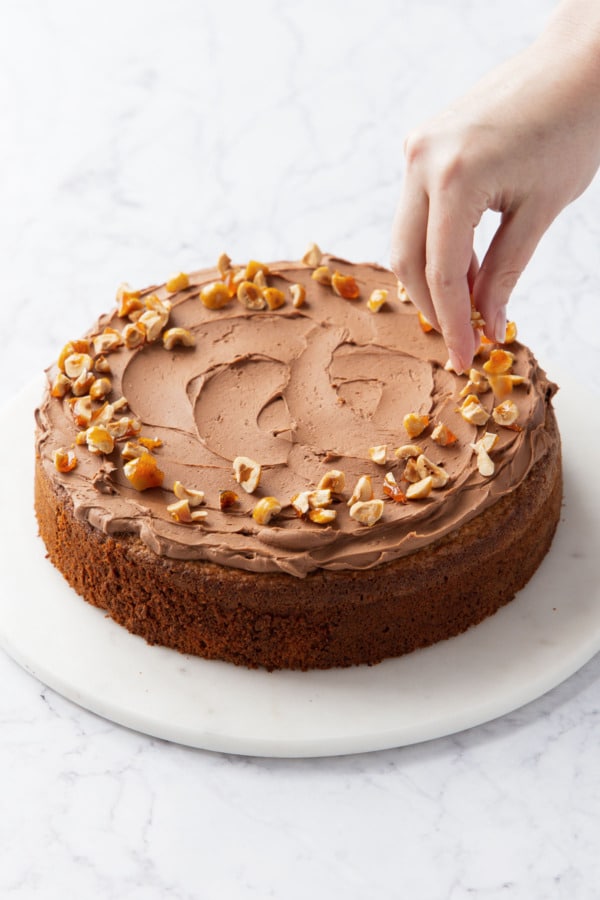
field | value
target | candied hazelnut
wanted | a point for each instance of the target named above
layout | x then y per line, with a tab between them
177	282
345	286
415	424
367	512
313	256
265	510
376	300
143	472
64	460
215	295
247	473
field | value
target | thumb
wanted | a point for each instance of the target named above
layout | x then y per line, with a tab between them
511	249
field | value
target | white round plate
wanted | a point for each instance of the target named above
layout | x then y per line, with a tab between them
548	632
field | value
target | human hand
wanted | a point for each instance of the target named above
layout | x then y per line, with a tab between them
524	142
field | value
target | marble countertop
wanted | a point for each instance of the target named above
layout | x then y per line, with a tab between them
140	138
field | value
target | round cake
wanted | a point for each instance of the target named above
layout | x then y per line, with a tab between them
275	465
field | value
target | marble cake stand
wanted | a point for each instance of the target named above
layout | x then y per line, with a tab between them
548	632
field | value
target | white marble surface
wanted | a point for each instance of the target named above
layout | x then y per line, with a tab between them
142	137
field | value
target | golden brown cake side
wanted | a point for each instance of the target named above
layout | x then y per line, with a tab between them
398	502
328	618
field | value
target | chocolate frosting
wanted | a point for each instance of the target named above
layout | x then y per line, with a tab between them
301	391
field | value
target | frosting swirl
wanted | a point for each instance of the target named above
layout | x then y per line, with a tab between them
301	391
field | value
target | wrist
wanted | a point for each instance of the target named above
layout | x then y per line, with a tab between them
573	33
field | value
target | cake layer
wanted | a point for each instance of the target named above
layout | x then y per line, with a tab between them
444	489
327	619
301	391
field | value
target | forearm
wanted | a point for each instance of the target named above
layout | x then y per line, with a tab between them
577	21
571	40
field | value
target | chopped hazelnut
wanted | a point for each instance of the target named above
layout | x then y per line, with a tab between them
274	297
150	443
99	439
363	490
322	516
316	499
378	454
506	413
131	450
215	295
472	411
260	280
376	300
442	435
102	365
181	512
502	385
153	323
334	480
392	489
402	293
81	408
101	388
253	267
247	473
143	472
499	363
415	424
82	384
134	335
322	274
477	384
411	472
64	460
250	296
298	295
60	386
265	510
420	489
128	300
81	346
313	256
345	286
174	337
153	303
125	427
367	512
193	497
227	499
109	340
223	264
406	451
427	468
177	282
482	447
77	363
424	322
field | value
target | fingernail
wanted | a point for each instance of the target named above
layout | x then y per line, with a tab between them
500	326
455	361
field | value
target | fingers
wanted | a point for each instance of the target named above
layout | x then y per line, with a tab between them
432	255
434	258
409	247
509	252
451	268
432	250
473	271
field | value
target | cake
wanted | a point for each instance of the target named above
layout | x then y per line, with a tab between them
276	466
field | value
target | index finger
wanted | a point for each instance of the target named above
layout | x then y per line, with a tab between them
409	239
449	258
